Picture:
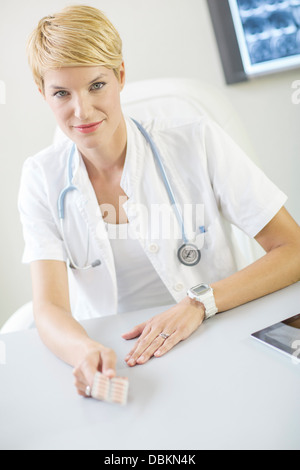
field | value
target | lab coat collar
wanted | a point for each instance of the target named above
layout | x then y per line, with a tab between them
138	151
79	169
133	162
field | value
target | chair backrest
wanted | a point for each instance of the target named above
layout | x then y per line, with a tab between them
20	320
184	98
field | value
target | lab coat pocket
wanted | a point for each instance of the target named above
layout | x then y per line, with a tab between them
201	237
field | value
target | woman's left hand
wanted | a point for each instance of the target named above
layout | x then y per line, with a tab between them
179	322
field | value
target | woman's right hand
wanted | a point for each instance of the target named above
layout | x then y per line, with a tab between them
97	359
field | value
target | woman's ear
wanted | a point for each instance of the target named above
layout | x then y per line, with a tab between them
122	76
42	93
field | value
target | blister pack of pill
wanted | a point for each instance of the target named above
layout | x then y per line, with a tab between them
113	390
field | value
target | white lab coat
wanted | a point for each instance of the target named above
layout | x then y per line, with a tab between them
204	167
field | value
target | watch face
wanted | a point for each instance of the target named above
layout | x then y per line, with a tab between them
201	289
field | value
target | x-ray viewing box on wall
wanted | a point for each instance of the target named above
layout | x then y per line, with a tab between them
256	37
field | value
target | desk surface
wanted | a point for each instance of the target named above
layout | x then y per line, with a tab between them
220	389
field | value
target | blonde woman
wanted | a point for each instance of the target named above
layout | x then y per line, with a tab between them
79	197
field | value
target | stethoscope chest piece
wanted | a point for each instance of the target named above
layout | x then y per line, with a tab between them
189	255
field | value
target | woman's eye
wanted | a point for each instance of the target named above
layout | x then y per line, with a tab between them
61	94
97	86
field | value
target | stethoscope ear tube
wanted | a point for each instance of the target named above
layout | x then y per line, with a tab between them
61	200
69	187
61	214
188	254
165	178
72	263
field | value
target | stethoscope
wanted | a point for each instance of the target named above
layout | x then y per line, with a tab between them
61	213
188	253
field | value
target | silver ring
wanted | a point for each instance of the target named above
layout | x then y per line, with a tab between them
88	391
164	335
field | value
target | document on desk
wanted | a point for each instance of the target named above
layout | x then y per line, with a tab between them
283	336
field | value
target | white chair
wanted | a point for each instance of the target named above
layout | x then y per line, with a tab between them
180	98
22	319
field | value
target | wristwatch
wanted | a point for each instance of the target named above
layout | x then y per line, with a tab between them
204	293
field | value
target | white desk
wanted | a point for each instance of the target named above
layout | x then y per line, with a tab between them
220	389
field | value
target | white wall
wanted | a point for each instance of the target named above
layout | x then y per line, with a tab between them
162	38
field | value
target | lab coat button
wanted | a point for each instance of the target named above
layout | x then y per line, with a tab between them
179	287
153	248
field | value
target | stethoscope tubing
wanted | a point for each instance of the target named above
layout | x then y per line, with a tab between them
68	188
165	178
71	187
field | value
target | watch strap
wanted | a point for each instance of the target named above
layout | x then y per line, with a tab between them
208	300
209	303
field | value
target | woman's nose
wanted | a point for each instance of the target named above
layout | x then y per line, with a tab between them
81	108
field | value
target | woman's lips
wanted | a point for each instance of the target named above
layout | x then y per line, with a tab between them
88	128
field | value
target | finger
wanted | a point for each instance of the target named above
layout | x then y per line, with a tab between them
108	363
102	360
81	393
78	375
152	348
143	346
82	390
140	342
168	344
89	367
79	384
134	332
80	380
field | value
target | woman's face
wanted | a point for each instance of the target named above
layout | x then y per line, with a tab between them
86	103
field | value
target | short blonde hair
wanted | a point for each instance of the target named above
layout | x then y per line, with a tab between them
79	35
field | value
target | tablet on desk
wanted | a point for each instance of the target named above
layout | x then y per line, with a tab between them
283	336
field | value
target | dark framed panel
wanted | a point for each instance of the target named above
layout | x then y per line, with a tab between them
256	37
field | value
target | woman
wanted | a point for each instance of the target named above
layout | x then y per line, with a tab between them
116	189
